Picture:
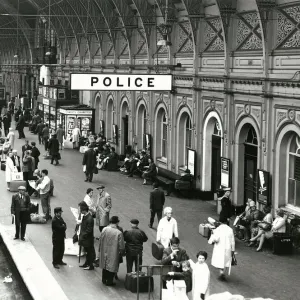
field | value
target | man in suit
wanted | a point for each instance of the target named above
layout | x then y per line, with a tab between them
20	126
86	236
20	207
157	201
6	124
35	153
53	147
25	148
59	228
89	161
16	160
174	256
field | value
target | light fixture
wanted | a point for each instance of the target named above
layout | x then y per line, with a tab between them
165	29
16	56
164	42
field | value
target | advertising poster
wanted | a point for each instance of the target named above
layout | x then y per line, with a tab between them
70	124
225	172
263	188
191	161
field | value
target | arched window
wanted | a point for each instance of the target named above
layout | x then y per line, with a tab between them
161	134
184	138
294	172
251	136
164	136
110	120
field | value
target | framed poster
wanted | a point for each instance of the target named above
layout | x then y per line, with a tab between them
225	172
101	123
115	134
70	124
191	161
263	187
148	144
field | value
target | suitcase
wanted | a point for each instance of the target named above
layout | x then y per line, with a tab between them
157	251
204	230
131	282
282	243
14	185
3	165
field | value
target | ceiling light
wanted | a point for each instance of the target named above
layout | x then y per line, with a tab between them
164	43
16	56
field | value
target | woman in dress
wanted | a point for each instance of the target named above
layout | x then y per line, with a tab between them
201	277
9	169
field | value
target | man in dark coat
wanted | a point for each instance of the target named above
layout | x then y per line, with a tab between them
20	206
59	228
134	239
86	236
89	161
20	126
53	147
25	148
35	153
6	124
157	201
39	130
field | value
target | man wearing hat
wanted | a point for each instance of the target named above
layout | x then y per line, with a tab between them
226	211
86	236
59	228
103	207
53	147
89	161
20	211
110	247
134	239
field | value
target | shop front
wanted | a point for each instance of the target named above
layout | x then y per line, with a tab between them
77	115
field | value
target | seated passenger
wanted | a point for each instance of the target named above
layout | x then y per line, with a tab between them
143	162
278	225
151	172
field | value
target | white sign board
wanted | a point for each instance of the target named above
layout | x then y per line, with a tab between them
120	82
191	161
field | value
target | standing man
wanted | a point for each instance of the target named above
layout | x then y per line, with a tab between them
25	148
16	160
60	135
11	138
53	147
59	228
35	153
20	126
39	131
110	247
86	236
89	161
45	134
43	185
20	211
6	124
157	201
103	207
134	239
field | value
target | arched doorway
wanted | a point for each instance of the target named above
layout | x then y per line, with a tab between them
97	114
287	168
184	138
250	164
141	128
212	152
124	126
109	119
161	134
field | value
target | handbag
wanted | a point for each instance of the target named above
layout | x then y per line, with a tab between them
265	226
95	170
233	260
58	156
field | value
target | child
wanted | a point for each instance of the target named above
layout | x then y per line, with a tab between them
185	275
201	277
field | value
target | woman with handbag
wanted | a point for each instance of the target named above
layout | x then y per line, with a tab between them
278	225
264	225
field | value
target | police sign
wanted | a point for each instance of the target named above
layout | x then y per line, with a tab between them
120	82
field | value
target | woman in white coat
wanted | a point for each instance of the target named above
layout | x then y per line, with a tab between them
9	169
75	137
224	246
167	228
201	277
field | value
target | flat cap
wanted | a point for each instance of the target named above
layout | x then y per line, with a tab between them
100	187
134	221
57	210
22	188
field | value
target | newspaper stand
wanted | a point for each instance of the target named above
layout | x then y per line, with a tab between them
154	270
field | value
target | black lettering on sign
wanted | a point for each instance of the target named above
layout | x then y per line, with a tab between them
128	81
94	80
118	82
150	82
136	84
105	81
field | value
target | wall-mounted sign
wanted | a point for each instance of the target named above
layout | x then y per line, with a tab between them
115	134
120	82
52	110
61	94
46	101
263	187
225	172
75	112
191	161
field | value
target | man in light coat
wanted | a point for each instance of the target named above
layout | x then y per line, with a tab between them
167	228
11	138
75	137
103	207
110	247
224	246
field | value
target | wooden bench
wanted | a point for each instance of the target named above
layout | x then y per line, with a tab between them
167	179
